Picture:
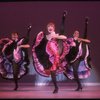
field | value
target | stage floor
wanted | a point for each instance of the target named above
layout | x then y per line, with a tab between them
28	90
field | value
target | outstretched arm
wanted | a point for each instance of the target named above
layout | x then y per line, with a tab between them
84	40
59	36
24	46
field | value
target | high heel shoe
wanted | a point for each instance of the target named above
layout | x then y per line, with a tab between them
55	90
16	87
78	89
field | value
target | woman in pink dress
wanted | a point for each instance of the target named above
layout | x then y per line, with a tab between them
46	53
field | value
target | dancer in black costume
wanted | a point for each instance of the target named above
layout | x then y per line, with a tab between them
78	58
78	52
15	58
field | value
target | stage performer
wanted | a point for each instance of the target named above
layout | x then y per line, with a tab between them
78	59
14	57
46	53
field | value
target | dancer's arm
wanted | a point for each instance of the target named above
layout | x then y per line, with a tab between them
84	40
59	36
24	46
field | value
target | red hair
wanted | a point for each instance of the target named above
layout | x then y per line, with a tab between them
14	33
51	24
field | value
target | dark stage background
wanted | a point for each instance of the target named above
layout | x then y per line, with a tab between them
16	16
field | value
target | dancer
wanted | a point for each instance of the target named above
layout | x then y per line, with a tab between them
78	53
46	54
15	58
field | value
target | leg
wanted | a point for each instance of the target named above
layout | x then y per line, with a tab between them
53	72
66	70
52	49
65	74
26	59
53	76
15	74
75	72
26	65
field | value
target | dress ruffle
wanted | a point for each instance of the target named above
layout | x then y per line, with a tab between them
6	60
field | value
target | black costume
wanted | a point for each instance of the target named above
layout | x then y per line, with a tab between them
14	61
